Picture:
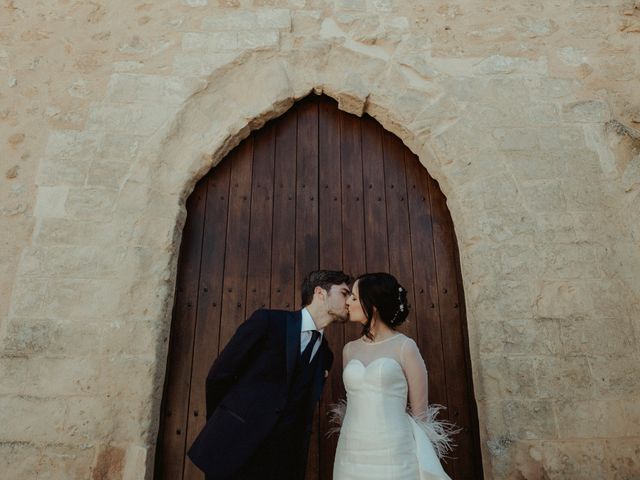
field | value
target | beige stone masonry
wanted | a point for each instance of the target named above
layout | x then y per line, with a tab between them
527	114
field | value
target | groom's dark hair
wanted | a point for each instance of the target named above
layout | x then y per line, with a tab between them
323	279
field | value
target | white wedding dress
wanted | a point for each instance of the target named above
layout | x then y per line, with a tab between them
379	439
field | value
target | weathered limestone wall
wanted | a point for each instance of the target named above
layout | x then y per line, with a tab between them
527	113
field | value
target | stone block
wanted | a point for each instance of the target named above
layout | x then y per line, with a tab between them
306	21
613	298
631	415
67	157
505	377
73	231
136	460
567	138
120	147
32	419
516	138
26	336
498	192
88	419
28	297
527	420
125	337
508	226
582	164
73	261
151	89
615	375
81	298
109	174
502	65
508	114
563	378
352	5
19	459
622	456
201	63
495	298
531	336
32	376
559	227
582	460
563	299
527	165
90	202
50	202
61	462
210	42
128	119
586	197
457	138
242	20
586	111
585	336
589	419
258	39
273	18
543	196
574	260
109	462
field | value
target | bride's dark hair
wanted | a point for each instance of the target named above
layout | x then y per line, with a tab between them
382	292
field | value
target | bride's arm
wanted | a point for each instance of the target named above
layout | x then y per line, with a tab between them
417	378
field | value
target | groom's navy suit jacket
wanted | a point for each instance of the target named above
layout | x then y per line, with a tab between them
247	389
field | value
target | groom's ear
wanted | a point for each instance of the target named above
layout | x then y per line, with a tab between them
319	291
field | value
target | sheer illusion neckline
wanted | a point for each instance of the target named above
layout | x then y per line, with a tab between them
381	341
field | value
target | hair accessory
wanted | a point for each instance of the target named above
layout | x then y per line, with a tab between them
401	307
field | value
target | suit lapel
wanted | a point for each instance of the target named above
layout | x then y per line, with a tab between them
293	342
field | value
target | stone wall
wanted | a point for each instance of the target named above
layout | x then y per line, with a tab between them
527	113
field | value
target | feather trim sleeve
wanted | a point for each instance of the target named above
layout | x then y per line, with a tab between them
336	416
439	432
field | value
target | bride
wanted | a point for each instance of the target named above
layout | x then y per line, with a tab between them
383	371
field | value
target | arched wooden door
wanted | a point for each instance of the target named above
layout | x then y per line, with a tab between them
315	188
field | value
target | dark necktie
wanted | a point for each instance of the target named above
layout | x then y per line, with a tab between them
306	353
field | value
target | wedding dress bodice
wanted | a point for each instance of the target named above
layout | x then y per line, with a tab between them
379	440
377	392
393	368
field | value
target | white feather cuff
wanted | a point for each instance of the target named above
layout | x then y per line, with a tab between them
336	416
439	432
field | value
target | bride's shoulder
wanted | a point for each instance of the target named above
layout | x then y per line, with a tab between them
349	344
407	343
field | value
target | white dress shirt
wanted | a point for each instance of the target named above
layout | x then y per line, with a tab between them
308	325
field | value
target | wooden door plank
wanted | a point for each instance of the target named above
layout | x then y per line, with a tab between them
450	320
375	210
398	229
330	244
284	214
236	254
261	229
424	274
307	227
306	192
353	240
171	450
474	430
209	300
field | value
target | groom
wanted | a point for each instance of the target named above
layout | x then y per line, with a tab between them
262	389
